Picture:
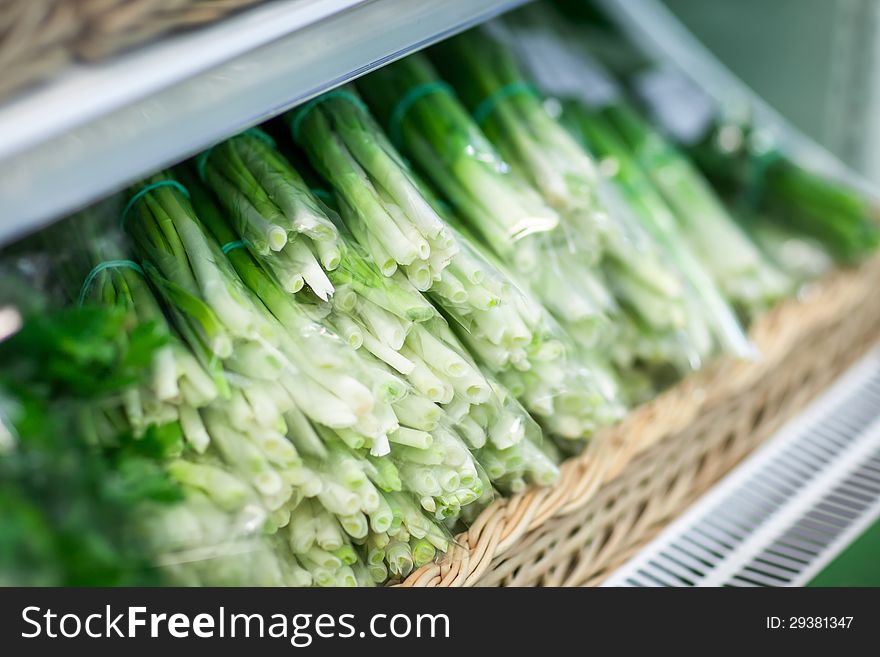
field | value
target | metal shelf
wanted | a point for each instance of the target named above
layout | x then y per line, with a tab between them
100	127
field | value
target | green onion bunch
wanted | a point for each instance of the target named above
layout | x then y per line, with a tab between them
758	175
272	210
380	200
707	308
509	335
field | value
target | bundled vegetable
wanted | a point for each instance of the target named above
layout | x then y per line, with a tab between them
272	210
666	324
508	109
389	319
243	461
509	334
382	204
760	176
661	320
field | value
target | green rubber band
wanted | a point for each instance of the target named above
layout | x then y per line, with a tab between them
300	113
756	177
257	133
231	246
322	194
486	106
101	266
202	162
202	158
416	93
149	188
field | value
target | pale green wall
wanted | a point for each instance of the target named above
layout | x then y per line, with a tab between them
811	59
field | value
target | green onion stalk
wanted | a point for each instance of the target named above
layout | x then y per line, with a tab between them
273	210
432	127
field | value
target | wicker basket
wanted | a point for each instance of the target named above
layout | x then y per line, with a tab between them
36	38
40	37
637	476
113	25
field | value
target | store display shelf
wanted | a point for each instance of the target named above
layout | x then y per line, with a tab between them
98	128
